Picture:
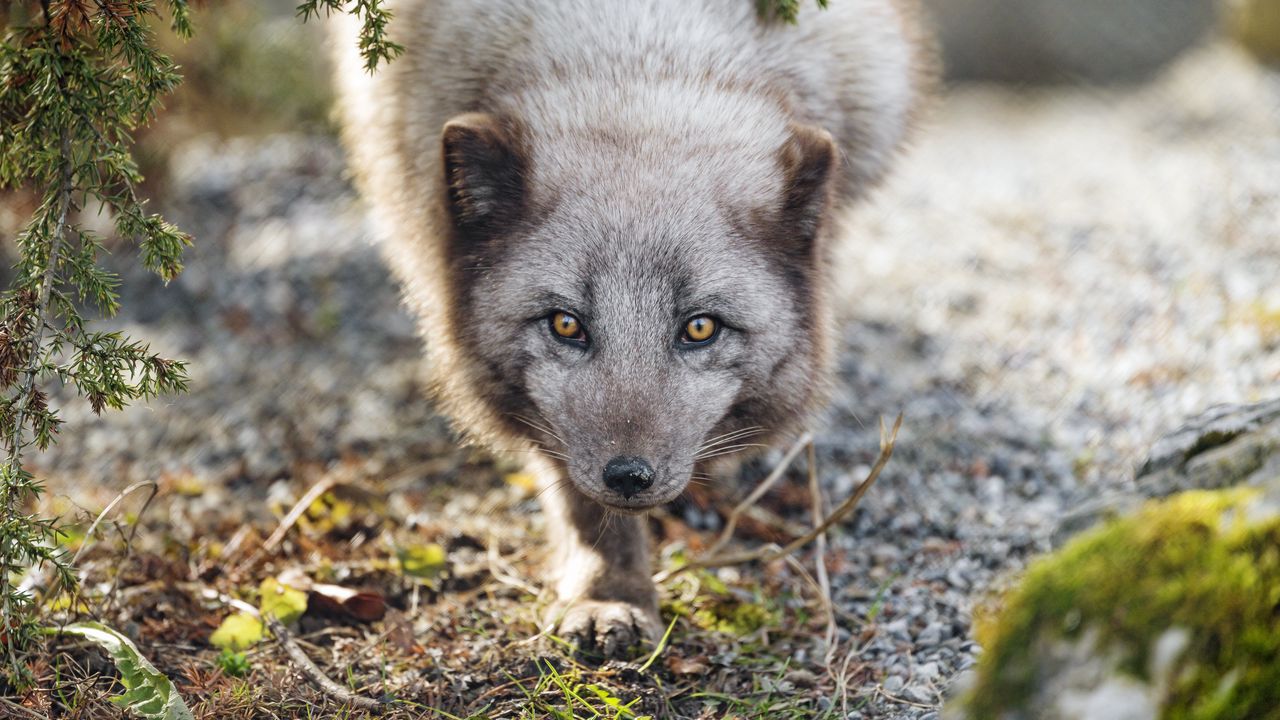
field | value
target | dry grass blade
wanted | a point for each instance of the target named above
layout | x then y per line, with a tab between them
731	523
820	556
314	673
310	496
20	710
770	553
287	522
93	527
111	506
501	571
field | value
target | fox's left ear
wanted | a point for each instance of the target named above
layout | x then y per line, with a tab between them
808	160
484	173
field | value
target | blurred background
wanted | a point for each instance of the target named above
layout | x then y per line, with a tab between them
1081	249
1091	202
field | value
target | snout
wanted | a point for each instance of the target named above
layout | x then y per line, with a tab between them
632	483
628	476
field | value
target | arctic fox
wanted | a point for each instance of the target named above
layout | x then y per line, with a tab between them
613	220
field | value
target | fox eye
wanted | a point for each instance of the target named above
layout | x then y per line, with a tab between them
700	330
567	327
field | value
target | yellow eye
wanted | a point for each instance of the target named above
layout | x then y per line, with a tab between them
700	329
567	326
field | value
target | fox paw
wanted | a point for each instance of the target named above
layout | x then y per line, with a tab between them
610	629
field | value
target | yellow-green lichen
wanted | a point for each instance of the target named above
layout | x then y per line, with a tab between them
1200	560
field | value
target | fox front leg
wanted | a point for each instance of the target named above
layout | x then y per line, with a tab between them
606	601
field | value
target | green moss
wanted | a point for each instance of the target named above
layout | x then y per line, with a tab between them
1192	561
734	618
719	608
1256	24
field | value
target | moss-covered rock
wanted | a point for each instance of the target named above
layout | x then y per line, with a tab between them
1256	24
1171	613
1224	446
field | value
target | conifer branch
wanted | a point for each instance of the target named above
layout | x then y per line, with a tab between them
77	77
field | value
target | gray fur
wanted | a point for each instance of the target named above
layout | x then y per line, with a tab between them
635	162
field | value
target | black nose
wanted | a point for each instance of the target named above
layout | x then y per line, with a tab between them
628	475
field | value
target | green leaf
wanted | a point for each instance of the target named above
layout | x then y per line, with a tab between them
149	693
280	601
237	632
424	561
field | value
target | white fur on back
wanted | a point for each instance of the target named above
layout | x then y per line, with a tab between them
670	73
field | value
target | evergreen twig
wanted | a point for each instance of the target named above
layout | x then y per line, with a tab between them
77	77
787	11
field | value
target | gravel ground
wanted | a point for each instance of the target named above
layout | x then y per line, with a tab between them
1052	281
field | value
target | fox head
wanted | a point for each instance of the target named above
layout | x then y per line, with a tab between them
635	314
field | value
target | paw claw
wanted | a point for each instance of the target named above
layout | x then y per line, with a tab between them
608	628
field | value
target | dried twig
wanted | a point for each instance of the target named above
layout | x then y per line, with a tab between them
731	522
820	556
291	648
769	553
287	522
87	542
900	700
22	710
111	506
501	571
769	518
313	672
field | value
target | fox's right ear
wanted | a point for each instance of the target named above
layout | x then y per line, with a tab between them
484	173
808	160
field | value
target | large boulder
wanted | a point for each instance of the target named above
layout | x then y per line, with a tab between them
1172	611
1057	40
1224	446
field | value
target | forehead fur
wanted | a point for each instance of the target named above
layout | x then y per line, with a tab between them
656	259
666	141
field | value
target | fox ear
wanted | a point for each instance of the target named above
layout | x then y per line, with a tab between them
484	173
808	161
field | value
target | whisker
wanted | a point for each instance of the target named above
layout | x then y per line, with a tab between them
518	451
748	430
542	416
539	427
538	450
741	429
717	452
730	437
602	528
527	421
546	422
559	484
550	453
735	444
